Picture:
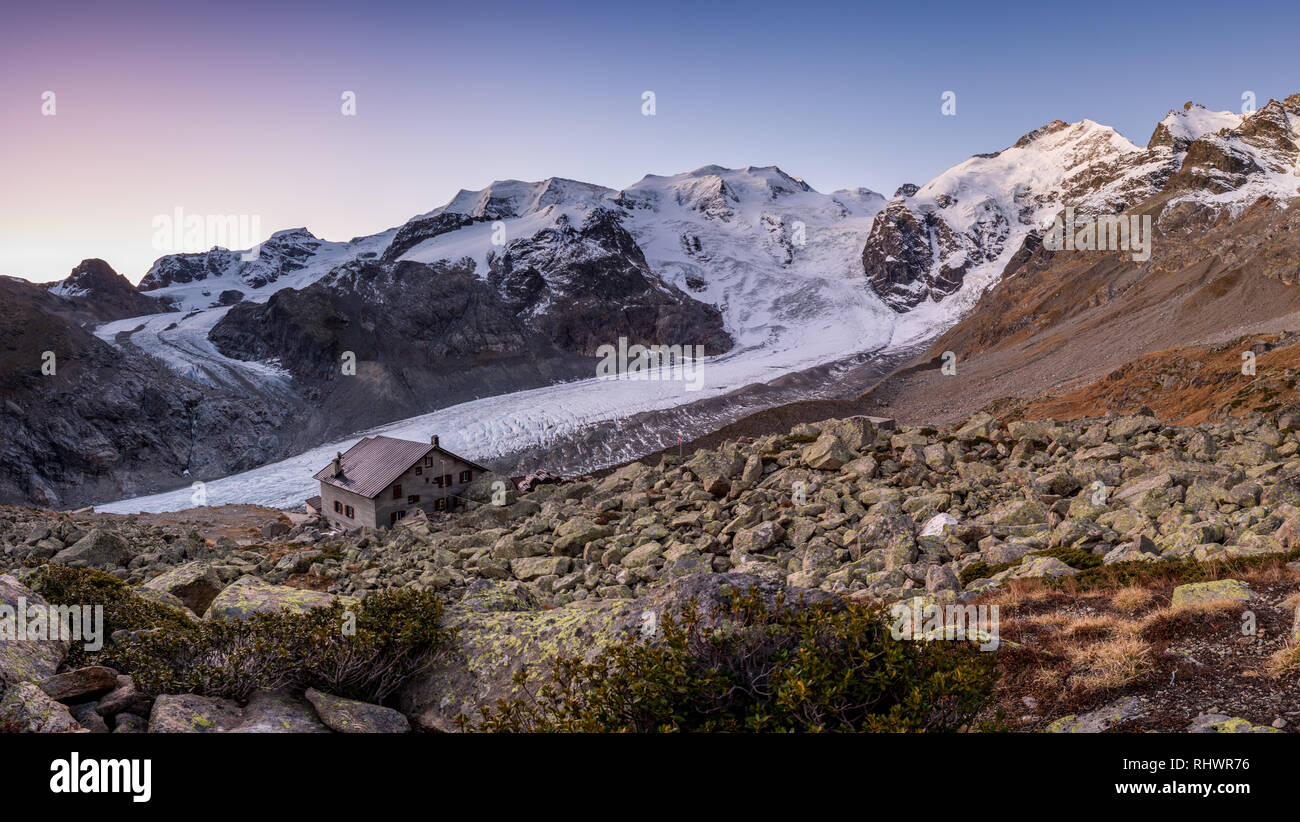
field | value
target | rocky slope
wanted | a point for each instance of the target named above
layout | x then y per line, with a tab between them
106	421
94	293
978	513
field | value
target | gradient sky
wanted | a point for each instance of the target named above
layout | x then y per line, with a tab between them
234	107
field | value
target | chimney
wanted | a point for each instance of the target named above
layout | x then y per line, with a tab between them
433	440
336	464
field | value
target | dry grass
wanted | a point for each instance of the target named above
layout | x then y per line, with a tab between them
1175	621
1131	599
1048	679
1109	664
1285	662
1101	627
1052	621
1021	593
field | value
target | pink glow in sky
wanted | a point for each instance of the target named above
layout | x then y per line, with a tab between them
233	108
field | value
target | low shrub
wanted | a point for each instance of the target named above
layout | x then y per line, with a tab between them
364	653
827	667
124	610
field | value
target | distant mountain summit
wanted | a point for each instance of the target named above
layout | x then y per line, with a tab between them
975	219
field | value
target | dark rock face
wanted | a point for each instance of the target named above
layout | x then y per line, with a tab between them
585	287
95	293
899	258
283	252
109	422
428	336
423	337
423	228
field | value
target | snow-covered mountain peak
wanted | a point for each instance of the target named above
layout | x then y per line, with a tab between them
516	198
1251	157
1181	127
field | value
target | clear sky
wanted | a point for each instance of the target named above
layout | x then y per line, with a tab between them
235	107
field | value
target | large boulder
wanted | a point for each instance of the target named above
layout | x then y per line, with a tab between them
854	433
193	714
716	469
23	659
759	538
30	710
348	716
98	549
527	568
276	712
93	679
1196	593
195	584
573	534
828	453
266	712
250	595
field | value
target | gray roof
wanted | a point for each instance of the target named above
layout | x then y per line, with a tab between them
372	464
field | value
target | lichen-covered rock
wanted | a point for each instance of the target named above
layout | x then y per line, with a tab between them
1101	719
1199	592
1150	494
1039	567
1018	512
27	660
1141	549
250	595
1223	724
266	712
348	716
573	535
527	568
979	427
716	469
828	453
193	714
759	538
29	709
276	712
100	548
1128	427
195	584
